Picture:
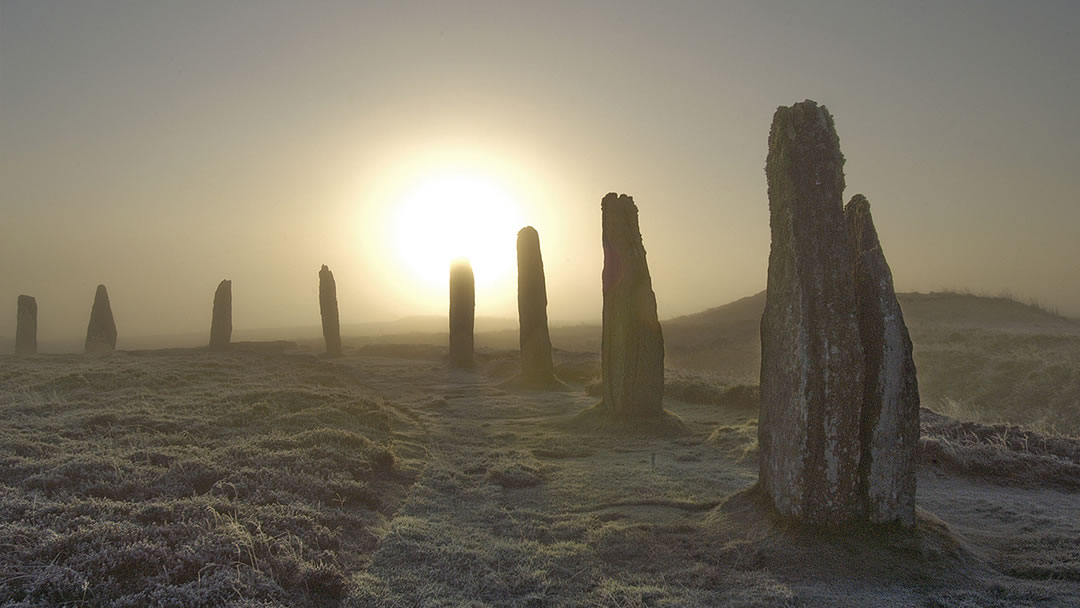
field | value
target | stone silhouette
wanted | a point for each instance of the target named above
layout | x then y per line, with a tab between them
221	322
26	326
811	354
536	366
101	332
462	309
890	405
632	349
328	307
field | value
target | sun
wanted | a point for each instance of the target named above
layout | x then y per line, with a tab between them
456	214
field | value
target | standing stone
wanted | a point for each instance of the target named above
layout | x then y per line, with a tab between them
26	326
462	309
632	349
890	406
101	332
811	355
331	328
536	366
221	322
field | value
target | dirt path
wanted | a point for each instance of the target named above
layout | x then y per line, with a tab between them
515	508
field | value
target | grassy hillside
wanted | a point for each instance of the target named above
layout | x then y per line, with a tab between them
993	376
978	358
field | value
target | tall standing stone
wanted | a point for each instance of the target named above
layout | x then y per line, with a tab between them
890	405
221	322
811	355
26	326
632	349
462	310
328	307
536	366
101	332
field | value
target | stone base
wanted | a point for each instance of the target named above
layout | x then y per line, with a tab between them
520	383
600	419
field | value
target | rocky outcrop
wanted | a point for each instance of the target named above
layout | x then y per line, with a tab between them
26	326
632	349
101	332
811	354
462	310
221	322
536	367
331	328
890	404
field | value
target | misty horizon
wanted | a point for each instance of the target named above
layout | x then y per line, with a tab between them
423	328
153	149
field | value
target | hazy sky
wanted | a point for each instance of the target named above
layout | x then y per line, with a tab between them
159	147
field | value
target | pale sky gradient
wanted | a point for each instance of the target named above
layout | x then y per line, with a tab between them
159	147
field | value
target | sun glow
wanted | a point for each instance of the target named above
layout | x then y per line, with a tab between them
456	214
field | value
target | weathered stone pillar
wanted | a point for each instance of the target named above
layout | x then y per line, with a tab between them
890	405
26	326
536	366
811	355
632	349
462	309
101	332
221	323
328	307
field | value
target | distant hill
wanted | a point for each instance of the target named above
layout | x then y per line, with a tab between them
942	308
727	337
980	312
749	308
978	358
724	338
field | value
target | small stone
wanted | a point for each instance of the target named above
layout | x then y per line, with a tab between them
101	332
632	349
221	322
26	326
890	406
462	311
328	307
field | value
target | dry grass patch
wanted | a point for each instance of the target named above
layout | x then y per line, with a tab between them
1000	453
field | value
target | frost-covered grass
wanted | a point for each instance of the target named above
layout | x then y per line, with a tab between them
1001	453
189	479
277	479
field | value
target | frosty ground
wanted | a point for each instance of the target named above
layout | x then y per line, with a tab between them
268	476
